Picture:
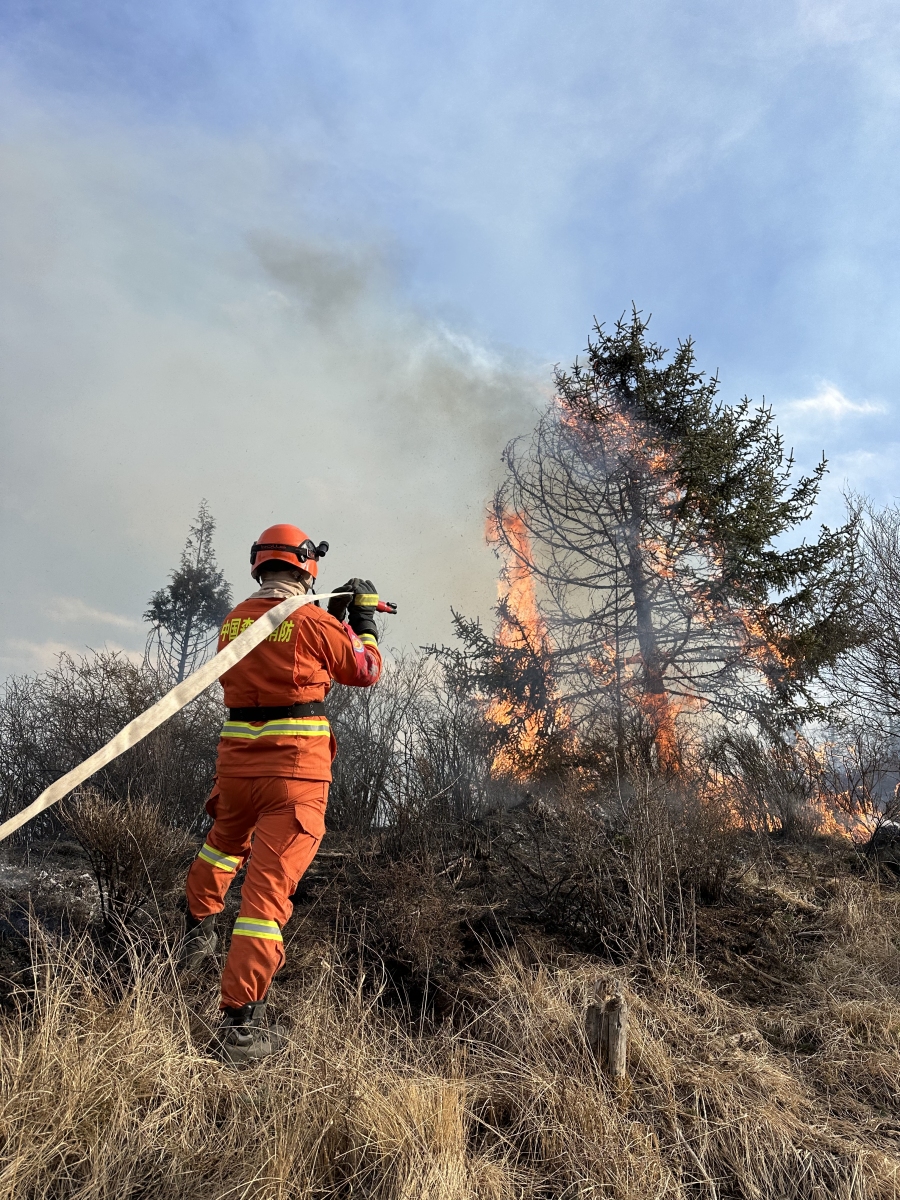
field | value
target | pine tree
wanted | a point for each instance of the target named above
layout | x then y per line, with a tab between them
186	614
654	518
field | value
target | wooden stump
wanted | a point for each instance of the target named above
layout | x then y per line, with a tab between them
593	1024
614	1037
606	1026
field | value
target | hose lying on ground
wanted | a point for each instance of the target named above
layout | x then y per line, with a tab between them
171	703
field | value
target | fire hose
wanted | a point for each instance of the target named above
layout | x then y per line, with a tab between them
173	701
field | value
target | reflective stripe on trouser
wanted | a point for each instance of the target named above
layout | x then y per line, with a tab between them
255	927
224	862
284	818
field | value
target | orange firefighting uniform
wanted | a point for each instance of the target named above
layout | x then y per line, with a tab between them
272	783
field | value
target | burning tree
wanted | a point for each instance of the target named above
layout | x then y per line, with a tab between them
649	517
514	668
185	615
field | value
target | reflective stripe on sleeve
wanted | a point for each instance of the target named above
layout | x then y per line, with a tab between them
224	862
308	727
368	639
257	927
366	666
365	599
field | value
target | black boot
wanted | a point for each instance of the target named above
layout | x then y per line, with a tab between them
245	1036
199	942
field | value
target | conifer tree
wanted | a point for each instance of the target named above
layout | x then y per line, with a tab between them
655	517
186	614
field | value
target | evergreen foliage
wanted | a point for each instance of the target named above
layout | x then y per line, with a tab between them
733	497
186	614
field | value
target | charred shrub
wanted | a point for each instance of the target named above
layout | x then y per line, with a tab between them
401	923
705	842
773	785
621	872
136	858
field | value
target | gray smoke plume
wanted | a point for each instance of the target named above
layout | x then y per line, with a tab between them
170	332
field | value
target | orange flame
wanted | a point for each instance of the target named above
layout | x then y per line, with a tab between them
516	588
835	820
522	627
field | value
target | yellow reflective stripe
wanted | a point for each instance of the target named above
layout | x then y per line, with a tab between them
257	927
225	862
285	727
368	639
365	599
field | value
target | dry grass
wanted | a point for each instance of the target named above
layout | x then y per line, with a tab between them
106	1091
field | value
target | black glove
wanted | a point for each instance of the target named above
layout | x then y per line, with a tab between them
361	617
338	605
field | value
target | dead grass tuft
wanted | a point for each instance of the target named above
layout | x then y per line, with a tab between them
105	1090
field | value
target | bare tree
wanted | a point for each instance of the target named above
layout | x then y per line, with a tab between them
185	615
867	678
415	757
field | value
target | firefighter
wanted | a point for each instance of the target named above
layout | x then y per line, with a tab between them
272	775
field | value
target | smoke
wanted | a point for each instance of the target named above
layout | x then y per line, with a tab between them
172	329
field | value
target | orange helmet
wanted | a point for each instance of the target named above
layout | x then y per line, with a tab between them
288	544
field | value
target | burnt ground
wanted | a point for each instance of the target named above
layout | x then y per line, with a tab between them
50	881
421	924
428	924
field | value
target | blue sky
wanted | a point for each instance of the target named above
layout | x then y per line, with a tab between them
371	229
